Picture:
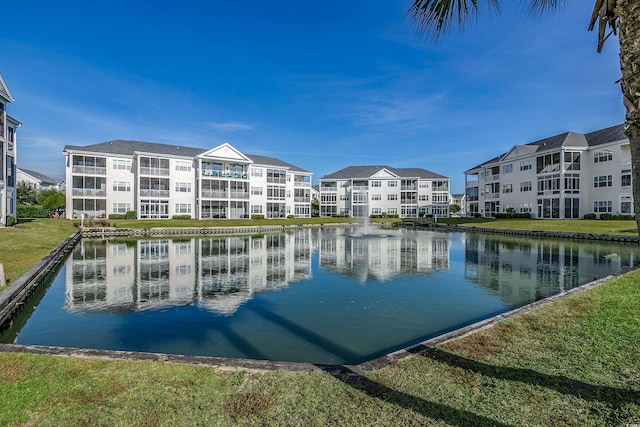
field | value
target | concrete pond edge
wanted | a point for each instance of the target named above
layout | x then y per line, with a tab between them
14	296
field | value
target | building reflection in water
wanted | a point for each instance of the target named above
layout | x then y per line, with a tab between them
525	270
220	274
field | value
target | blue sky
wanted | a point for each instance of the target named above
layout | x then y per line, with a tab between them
322	85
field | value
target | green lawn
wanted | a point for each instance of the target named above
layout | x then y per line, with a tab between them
573	362
22	246
573	226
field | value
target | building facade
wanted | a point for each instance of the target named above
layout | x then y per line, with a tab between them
565	176
361	191
8	152
159	181
39	181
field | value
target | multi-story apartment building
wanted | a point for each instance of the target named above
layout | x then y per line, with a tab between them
565	176
8	150
160	181
361	191
39	181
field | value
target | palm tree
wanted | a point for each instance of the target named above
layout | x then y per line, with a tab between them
621	17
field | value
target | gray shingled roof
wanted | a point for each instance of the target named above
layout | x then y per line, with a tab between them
598	137
127	148
42	178
365	172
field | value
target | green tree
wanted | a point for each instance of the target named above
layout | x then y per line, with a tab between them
454	209
43	194
55	202
621	17
315	207
26	194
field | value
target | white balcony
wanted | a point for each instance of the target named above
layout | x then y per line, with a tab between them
154	171
89	192
154	193
89	170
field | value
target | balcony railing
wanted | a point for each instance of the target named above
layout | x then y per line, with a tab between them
213	194
153	193
154	171
472	183
408	201
224	174
494	177
89	170
409	188
301	184
239	194
301	199
491	196
89	192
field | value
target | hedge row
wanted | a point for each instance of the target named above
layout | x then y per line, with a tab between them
32	211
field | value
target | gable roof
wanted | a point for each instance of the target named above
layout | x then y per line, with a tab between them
566	139
366	172
4	90
40	177
128	148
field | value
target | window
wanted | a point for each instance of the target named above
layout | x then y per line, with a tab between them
256	209
256	172
183	208
392	197
183	166
572	161
602	156
424	184
376	211
392	183
525	165
625	178
572	183
376	197
256	191
549	184
603	206
121	186
183	187
602	181
525	186
376	183
507	168
423	197
344	197
392	211
625	206
507	188
525	207
121	208
548	163
121	164
327	197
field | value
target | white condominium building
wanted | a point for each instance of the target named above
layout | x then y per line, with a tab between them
8	150
160	181
565	176
361	191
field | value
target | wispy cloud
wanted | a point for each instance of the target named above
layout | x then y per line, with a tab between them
231	127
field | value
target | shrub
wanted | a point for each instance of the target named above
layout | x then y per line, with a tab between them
257	216
101	222
130	215
182	216
290	216
35	211
11	221
116	216
606	216
589	216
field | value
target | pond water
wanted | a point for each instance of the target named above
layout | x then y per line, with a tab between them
315	295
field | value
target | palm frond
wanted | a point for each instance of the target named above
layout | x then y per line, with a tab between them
437	16
605	15
542	7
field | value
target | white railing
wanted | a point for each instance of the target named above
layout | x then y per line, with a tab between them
301	184
154	193
494	177
89	170
89	192
472	183
212	194
491	196
239	195
155	171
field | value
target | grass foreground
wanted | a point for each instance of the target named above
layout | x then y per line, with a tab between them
573	362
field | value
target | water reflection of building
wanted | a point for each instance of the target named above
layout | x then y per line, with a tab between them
383	258
522	271
217	273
